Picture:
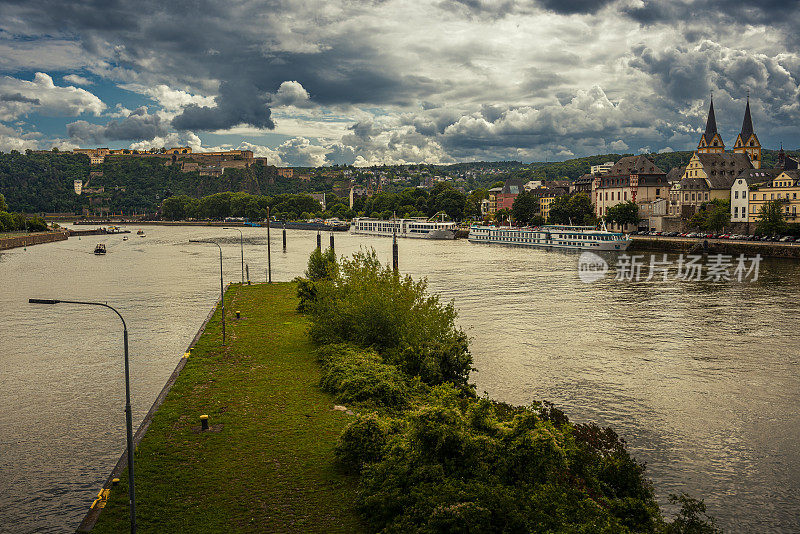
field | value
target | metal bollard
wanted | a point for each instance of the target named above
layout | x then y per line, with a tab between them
203	422
332	242
238	314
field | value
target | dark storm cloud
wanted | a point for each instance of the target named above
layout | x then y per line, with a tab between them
237	103
19	97
770	12
572	7
138	126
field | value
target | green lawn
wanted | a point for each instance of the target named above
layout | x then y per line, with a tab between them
270	467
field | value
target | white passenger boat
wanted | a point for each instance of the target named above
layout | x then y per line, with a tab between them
552	236
418	227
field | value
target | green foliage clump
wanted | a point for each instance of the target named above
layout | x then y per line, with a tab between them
472	466
771	220
574	209
435	458
623	213
361	376
362	442
321	266
713	216
368	305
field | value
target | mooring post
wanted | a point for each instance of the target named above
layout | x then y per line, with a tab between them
395	262
319	241
269	248
332	248
284	236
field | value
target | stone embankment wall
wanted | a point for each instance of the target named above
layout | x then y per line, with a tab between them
31	239
679	245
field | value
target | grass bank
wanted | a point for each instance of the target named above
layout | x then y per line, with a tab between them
268	463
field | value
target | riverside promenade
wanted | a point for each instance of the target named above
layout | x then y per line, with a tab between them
266	464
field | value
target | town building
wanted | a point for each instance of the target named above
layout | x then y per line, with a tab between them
740	191
492	193
505	198
632	178
546	197
286	173
785	187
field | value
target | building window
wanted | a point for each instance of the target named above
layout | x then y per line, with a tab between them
626	195
735	194
692	196
686	196
706	196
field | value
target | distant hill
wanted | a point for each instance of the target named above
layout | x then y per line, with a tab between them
43	181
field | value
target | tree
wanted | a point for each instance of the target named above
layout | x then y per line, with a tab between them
771	220
3	205
472	207
574	209
713	215
526	207
623	213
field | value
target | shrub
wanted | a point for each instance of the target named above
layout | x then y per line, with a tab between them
321	266
357	375
362	442
367	304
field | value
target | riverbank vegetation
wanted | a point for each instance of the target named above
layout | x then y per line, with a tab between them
431	455
17	222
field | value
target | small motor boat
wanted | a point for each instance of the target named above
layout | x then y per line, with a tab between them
100	248
125	238
140	232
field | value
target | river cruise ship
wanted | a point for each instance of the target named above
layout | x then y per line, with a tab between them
553	236
418	227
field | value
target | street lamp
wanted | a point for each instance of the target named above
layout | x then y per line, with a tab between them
241	246
128	417
221	286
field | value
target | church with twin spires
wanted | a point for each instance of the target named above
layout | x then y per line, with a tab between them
746	142
711	171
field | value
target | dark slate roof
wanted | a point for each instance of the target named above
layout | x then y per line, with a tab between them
586	178
634	165
711	123
722	168
513	187
548	191
675	173
757	176
747	123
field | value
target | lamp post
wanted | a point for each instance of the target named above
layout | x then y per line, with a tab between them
128	417
221	286
241	246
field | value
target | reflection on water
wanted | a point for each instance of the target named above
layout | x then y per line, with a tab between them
700	378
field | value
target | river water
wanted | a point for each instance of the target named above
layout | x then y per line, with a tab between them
700	378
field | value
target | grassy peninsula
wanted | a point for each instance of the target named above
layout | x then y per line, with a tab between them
269	467
417	451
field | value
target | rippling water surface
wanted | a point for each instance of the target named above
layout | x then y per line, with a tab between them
700	378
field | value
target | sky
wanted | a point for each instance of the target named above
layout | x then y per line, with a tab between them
312	83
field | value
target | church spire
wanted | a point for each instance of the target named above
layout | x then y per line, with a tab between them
747	123
710	141
711	122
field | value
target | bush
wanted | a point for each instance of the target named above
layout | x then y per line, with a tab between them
362	442
321	266
473	466
356	375
367	304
